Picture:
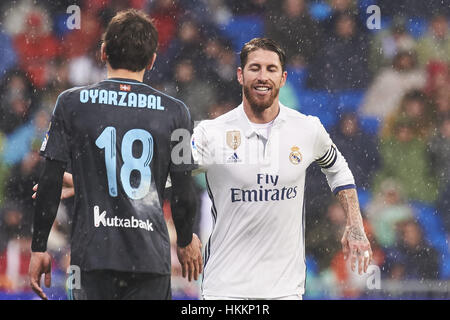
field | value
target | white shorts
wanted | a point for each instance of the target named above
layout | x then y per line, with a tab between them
291	297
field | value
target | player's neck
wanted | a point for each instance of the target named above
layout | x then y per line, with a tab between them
125	74
265	116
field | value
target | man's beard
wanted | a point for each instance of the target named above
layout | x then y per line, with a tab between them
258	106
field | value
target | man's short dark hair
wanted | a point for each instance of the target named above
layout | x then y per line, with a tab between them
130	40
265	44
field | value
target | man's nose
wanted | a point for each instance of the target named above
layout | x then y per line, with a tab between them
262	76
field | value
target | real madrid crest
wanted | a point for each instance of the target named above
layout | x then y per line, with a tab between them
295	156
234	139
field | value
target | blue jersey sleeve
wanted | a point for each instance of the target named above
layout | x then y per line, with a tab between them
55	144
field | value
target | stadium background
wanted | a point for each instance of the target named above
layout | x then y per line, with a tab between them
384	95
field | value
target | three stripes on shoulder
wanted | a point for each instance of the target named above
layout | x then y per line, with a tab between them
328	159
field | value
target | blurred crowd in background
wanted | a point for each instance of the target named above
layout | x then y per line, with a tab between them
383	94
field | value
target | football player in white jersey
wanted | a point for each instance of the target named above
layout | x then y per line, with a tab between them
255	159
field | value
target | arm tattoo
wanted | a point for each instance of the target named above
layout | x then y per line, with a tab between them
349	202
356	234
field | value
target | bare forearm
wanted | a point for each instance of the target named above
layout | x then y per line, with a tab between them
348	199
354	241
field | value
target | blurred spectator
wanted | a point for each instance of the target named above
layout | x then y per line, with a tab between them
239	7
86	69
439	146
15	242
13	224
317	198
7	53
220	72
339	8
23	139
106	9
414	106
359	149
218	12
387	208
219	109
404	158
443	207
342	62
62	73
4	171
435	45
35	48
441	99
212	49
197	94
14	15
14	250
17	101
165	14
324	238
14	262
23	176
77	42
391	84
413	8
187	45
412	258
438	77
387	43
59	69
292	27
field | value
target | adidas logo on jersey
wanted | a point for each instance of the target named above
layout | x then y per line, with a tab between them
233	158
101	219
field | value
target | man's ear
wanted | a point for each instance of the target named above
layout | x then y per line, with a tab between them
152	62
283	79
240	76
103	55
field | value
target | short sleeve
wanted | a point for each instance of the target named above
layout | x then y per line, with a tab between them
181	155
55	143
201	146
324	149
331	161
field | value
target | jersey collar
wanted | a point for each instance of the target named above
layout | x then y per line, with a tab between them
247	127
123	80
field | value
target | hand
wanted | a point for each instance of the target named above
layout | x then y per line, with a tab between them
355	242
40	263
67	190
190	258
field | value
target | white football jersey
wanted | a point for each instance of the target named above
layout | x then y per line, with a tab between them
256	248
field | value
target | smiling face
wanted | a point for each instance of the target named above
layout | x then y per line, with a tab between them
261	80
